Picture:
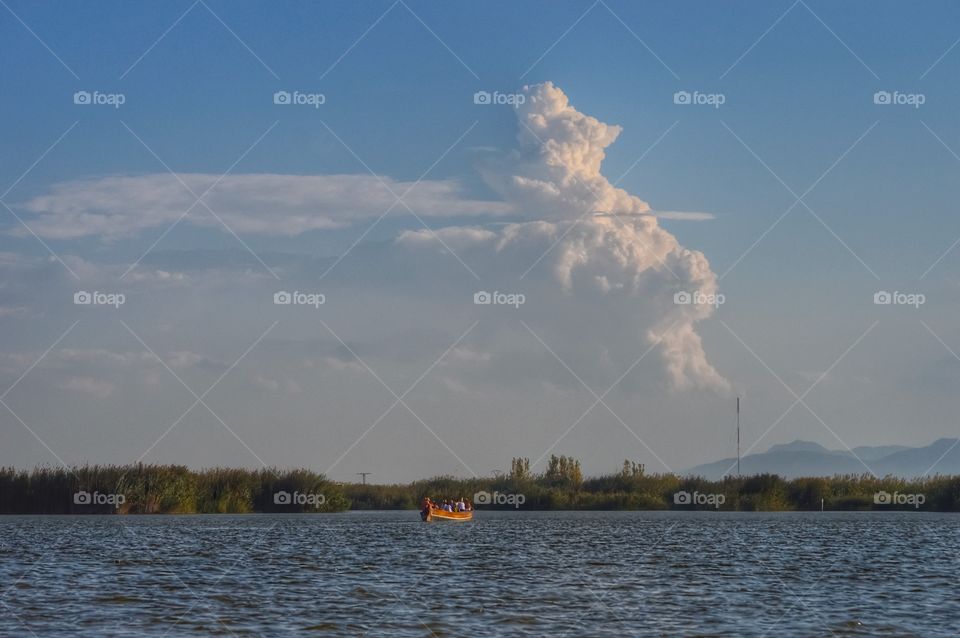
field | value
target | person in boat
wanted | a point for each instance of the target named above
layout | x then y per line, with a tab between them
426	504
461	506
448	506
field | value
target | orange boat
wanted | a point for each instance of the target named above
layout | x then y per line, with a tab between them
437	514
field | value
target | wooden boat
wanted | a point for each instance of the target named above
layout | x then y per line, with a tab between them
437	514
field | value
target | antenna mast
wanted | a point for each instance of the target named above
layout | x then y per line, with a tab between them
738	436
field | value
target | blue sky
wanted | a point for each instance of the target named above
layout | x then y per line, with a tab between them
798	83
799	98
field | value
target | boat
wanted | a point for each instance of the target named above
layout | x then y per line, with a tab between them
436	514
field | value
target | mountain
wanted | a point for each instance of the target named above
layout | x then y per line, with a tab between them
876	453
805	458
945	453
797	446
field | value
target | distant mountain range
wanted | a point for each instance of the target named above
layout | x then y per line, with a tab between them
804	458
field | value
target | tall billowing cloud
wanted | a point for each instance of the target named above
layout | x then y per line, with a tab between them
620	255
555	172
604	289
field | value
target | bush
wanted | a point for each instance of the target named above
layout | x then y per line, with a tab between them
158	489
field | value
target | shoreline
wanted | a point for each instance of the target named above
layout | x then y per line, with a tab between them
170	489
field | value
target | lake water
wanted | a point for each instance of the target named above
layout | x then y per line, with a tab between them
503	574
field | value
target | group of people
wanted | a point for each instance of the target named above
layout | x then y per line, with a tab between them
446	505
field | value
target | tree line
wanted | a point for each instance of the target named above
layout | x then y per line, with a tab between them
172	489
562	486
165	489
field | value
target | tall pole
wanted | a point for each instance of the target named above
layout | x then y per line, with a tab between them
364	475
738	436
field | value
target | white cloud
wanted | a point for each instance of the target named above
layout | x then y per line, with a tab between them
555	172
271	204
342	365
89	385
274	386
184	359
689	216
454	386
626	261
606	284
93	357
11	311
155	276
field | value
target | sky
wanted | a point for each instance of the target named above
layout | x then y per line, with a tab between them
674	204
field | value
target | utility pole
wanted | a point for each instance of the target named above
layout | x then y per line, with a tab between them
738	436
364	475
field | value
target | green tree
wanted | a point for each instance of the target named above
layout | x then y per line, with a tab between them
564	472
520	469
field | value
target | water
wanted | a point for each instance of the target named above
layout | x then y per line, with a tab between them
504	574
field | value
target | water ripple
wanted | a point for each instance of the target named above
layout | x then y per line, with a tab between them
504	574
